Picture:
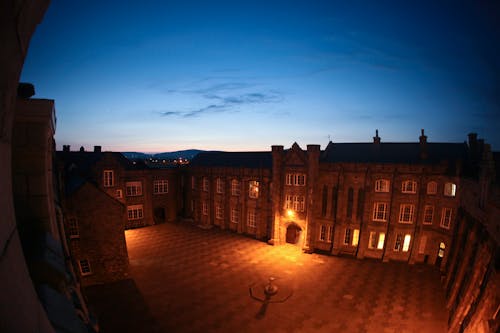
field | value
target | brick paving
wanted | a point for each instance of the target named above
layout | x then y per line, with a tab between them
187	279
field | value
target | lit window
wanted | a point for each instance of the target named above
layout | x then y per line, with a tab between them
382	185
160	186
205	184
133	189
326	233
109	178
381	238
204	208
347	236
253	189
406	243
409	186
432	188
446	218
235	218
355	237
220	185
84	267
428	214
235	187
296	179
219	212
73	229
251	219
376	240
380	211
406	213
135	212
450	189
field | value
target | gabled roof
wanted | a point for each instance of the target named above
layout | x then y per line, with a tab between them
388	152
233	159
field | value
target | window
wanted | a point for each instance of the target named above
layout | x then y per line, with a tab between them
160	186
253	189
380	211
326	233
450	189
133	189
382	185
73	229
406	213
381	238
296	179
409	186
84	267
298	203
235	187
204	184
235	218
193	182
220	185
350	199
251	219
219	212
406	243
432	188
347	236
109	178
135	212
421	247
288	201
355	237
376	240
428	214
204	208
446	218
397	243
119	194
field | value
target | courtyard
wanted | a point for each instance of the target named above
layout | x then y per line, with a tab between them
187	279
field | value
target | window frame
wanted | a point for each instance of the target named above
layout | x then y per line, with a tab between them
425	219
108	178
219	212
219	185
133	188
137	212
445	217
205	184
295	179
376	211
235	187
73	228
326	233
382	185
403	213
160	186
409	186
450	190
235	218
204	208
84	266
432	188
251	218
253	189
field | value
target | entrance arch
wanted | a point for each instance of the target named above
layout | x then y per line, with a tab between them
293	232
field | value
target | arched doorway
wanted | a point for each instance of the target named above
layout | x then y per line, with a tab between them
440	255
293	233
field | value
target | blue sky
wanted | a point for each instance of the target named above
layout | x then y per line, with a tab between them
230	75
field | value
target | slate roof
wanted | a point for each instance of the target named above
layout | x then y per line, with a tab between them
252	160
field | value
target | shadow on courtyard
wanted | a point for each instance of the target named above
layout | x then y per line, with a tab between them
120	307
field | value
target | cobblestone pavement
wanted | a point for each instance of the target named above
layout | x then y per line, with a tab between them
195	280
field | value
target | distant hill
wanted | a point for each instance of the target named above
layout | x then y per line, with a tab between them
188	154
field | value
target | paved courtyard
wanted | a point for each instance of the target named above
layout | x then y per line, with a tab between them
187	279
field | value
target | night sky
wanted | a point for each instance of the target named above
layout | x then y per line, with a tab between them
244	75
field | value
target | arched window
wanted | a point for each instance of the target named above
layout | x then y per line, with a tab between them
450	189
409	186
382	185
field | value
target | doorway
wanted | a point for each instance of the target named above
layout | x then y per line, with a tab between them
293	234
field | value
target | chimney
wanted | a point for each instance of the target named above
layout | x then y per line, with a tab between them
82	149
376	138
25	90
66	148
97	149
423	145
472	139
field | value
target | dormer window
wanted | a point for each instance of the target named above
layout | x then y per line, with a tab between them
409	186
382	185
450	189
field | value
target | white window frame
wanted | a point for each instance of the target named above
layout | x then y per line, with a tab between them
251	220
382	185
160	186
288	201
220	185
450	189
347	236
295	179
135	212
428	214
73	228
133	188
432	187
406	213
326	233
379	214
205	184
219	212
446	215
398	242
204	208
299	203
85	268
253	189
235	187
235	215
409	186
108	178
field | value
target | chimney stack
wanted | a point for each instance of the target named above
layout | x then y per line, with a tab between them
97	149
423	145
82	149
66	148
423	137
376	138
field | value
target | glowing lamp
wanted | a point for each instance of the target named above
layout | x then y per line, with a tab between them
290	213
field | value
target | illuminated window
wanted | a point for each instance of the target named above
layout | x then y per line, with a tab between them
204	184
133	189
382	185
428	214
406	243
84	267
442	247
109	178
296	179
409	186
119	194
432	188
380	211
235	187
446	218
423	243
253	189
204	208
355	237
73	229
347	236
220	185
219	212
381	238
160	186
450	189
135	212
406	213
235	215
251	218
326	233
376	240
